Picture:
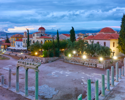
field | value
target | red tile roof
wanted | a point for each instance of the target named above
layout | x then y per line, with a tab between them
6	44
103	37
19	40
41	28
78	38
107	30
46	37
68	35
30	36
17	35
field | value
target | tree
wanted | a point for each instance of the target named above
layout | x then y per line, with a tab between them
121	39
7	39
80	45
58	43
53	46
72	35
28	42
35	47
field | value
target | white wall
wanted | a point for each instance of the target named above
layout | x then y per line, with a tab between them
101	42
18	44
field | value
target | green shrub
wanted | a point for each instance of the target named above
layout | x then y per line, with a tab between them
57	52
45	53
51	54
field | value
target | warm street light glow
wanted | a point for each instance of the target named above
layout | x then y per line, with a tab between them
69	55
21	53
36	53
100	58
74	52
114	57
84	56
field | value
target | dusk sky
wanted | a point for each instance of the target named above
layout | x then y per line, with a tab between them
17	15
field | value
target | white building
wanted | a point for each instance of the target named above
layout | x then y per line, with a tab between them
39	36
106	37
19	43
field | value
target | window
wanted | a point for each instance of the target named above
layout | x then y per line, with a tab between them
23	41
97	42
41	41
113	44
17	38
33	41
14	39
104	43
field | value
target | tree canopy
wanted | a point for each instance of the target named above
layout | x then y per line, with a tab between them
72	35
121	39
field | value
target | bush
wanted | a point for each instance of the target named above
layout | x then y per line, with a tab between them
45	53
57	52
51	54
66	52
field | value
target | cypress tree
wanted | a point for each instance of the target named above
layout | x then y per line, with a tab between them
58	43
121	39
28	43
7	39
53	46
72	35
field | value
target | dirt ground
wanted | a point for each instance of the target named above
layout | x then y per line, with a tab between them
6	94
70	80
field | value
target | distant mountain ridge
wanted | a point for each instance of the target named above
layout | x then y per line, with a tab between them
3	34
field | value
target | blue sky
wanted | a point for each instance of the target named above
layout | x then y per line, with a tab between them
17	15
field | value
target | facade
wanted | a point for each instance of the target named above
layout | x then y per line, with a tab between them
19	43
39	36
106	37
14	38
63	36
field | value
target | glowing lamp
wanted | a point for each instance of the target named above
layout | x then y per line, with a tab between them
74	52
101	59
115	57
84	56
69	55
36	53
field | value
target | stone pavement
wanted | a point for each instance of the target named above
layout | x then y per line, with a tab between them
118	92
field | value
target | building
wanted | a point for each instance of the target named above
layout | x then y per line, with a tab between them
15	37
63	36
19	43
4	45
106	37
39	36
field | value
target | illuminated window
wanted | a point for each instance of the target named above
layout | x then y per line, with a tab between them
113	44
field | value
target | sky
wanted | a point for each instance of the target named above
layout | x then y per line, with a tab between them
17	15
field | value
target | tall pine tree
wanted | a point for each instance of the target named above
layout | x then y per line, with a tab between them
121	39
72	35
7	39
28	42
58	43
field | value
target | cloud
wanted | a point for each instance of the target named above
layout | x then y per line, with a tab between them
51	13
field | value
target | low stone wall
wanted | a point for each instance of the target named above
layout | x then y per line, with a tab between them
41	59
93	62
